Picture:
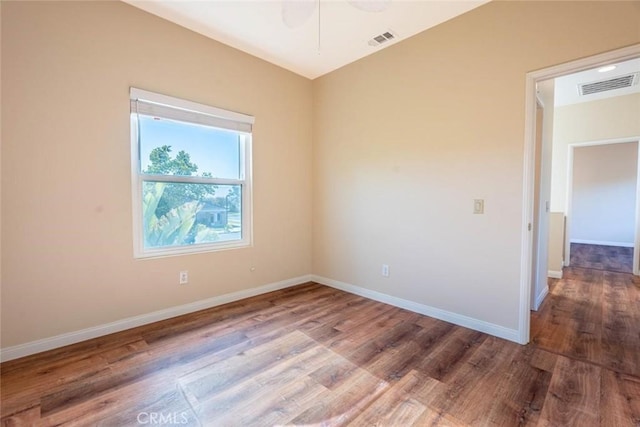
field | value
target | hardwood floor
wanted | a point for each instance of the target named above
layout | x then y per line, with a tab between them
313	355
599	257
592	316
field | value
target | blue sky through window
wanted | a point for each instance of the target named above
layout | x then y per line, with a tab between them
214	150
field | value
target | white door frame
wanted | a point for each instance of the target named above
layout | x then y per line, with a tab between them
569	201
526	250
540	213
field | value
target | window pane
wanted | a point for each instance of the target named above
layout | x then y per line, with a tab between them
168	147
176	214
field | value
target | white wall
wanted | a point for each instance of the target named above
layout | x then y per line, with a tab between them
604	194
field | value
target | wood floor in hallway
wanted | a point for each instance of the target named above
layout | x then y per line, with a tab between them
599	257
313	355
592	316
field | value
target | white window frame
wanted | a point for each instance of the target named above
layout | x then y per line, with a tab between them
168	107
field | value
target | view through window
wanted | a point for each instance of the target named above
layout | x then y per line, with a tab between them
191	187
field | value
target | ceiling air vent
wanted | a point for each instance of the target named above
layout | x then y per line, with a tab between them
382	38
608	84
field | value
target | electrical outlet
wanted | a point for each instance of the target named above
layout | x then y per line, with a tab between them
184	277
385	270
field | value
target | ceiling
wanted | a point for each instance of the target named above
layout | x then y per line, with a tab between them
336	34
566	87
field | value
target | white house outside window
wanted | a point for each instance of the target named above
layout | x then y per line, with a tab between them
191	176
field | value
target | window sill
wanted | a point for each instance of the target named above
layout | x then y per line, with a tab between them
190	250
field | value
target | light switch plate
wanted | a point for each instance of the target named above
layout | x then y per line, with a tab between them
478	206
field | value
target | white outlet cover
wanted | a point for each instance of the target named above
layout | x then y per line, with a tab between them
385	270
184	277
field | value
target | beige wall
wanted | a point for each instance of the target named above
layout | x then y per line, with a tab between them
546	90
67	260
556	242
609	118
0	167
535	276
405	139
603	207
549	224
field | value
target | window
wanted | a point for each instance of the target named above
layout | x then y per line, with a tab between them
191	176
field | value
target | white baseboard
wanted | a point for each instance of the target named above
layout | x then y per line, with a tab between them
603	243
554	274
541	296
57	341
447	316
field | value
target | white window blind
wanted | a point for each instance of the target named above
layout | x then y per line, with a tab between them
158	105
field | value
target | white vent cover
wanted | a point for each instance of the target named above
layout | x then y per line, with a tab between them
613	83
382	38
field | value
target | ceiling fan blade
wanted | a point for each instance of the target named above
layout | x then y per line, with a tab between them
370	5
296	12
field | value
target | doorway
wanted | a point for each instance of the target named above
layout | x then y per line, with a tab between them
532	243
602	205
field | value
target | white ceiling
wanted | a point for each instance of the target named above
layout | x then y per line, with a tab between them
256	27
566	87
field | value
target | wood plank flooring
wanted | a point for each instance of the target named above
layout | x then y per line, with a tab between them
592	316
599	257
313	355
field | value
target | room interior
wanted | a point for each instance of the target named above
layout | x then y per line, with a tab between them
374	162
